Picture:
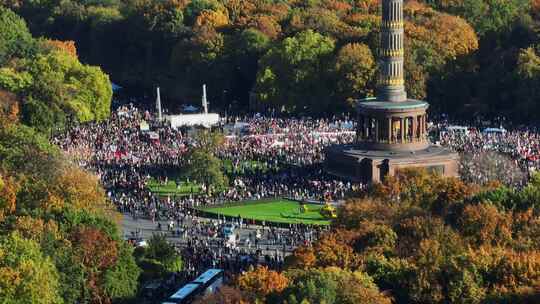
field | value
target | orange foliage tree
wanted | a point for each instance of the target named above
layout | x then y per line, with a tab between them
215	19
261	282
303	257
82	190
355	212
335	249
96	252
65	46
240	11
8	195
9	108
526	230
484	224
267	25
35	228
506	270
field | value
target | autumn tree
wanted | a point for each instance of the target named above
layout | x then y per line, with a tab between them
336	250
486	15
332	285
215	19
261	282
65	46
323	21
9	108
303	257
355	67
25	274
267	25
484	224
96	252
196	7
427	53
355	212
82	190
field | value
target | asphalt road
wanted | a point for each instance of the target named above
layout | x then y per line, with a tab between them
144	228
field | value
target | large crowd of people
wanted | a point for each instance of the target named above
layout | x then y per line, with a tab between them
269	157
126	157
497	154
132	148
288	152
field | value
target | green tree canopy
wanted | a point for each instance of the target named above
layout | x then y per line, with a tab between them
26	276
83	91
158	259
332	285
355	67
487	16
203	166
294	74
15	39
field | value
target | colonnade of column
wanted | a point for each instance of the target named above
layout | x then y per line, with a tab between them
389	129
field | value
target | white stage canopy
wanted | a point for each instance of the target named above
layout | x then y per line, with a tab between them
190	120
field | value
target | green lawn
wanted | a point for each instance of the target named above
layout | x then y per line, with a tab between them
279	211
185	188
171	188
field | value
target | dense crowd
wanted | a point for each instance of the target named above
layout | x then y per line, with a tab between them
204	246
495	155
291	141
126	157
288	152
132	148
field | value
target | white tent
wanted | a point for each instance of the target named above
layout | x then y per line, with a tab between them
190	120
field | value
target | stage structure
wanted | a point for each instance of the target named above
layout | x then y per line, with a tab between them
391	128
204	119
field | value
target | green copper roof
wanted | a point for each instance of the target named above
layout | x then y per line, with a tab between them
373	103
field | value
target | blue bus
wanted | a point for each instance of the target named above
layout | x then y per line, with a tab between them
210	280
184	295
206	283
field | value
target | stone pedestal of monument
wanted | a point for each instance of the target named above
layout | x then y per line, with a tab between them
352	163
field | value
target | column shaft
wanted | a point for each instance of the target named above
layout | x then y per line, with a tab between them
402	129
391	78
376	129
389	120
366	132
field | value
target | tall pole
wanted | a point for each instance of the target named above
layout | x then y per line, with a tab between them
391	76
158	105
204	101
